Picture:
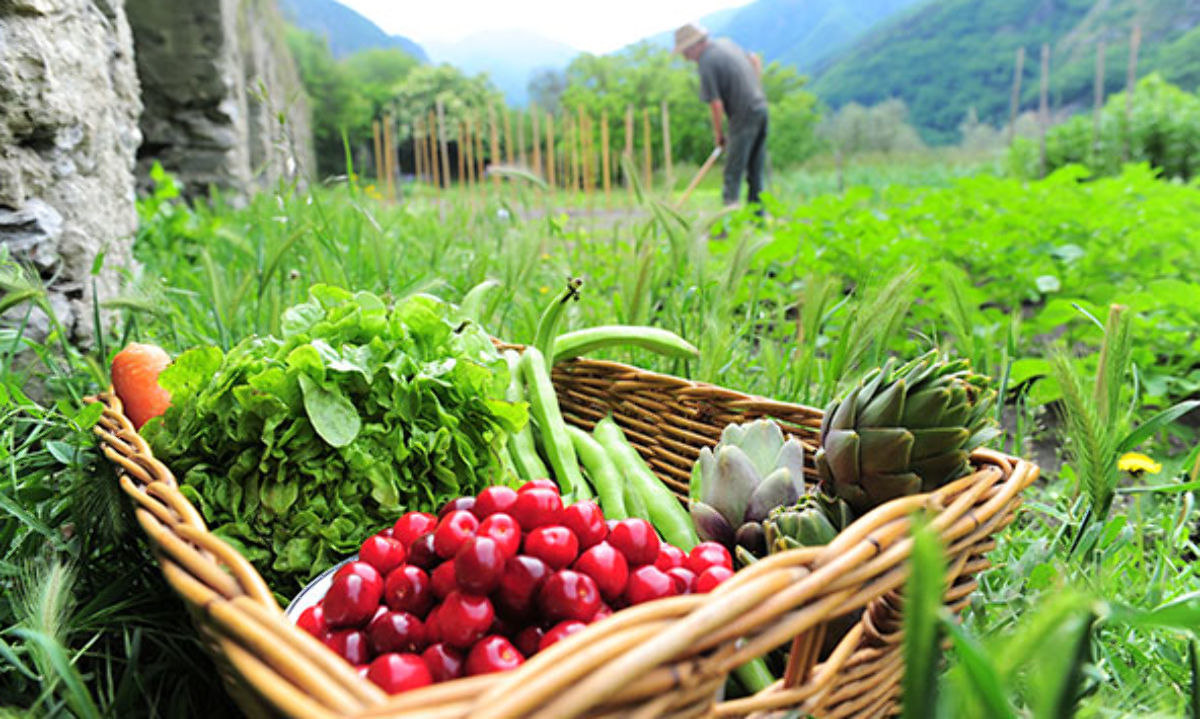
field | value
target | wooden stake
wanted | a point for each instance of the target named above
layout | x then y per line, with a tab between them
389	162
441	130
604	158
1135	42
432	142
470	149
462	165
509	154
666	133
550	163
1098	96
535	121
521	157
581	132
418	164
495	137
378	147
1016	94
1044	109
589	155
647	149
628	153
572	130
480	165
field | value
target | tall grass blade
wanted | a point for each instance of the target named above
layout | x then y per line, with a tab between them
1059	675
983	678
922	602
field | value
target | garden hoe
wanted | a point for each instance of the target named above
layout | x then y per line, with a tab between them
712	159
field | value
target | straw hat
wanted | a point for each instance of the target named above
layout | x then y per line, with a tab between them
689	35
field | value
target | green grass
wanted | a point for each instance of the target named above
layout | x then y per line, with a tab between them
1002	271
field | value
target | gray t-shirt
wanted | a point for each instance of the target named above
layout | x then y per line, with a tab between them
727	74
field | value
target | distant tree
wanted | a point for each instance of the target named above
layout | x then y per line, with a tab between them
880	128
335	104
377	73
546	88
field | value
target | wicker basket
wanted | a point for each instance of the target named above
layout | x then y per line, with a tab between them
665	658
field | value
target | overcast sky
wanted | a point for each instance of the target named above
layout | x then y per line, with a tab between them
597	27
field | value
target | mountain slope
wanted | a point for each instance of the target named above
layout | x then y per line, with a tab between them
509	57
805	32
802	33
346	31
946	56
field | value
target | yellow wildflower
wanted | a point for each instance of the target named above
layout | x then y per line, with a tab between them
1136	463
545	255
543	289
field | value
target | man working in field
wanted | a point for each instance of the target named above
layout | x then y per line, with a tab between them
731	84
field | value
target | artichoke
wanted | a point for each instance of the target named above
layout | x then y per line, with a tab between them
738	482
812	522
904	430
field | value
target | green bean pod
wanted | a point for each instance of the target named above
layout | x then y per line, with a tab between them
547	328
605	476
521	446
543	406
666	512
655	339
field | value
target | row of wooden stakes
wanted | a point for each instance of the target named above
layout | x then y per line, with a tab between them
567	163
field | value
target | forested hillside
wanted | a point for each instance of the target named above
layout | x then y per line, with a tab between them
946	56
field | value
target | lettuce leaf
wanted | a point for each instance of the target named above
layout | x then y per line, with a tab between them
297	448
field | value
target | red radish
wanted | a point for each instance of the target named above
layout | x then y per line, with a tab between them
528	640
555	545
522	580
395	673
350	644
538	484
684	579
505	530
383	553
708	580
443	580
607	567
708	554
352	600
312	620
648	582
423	553
569	595
444	662
494	500
561	631
453	531
461	504
396	632
464	619
601	613
408	589
478	565
635	538
586	522
536	507
135	371
389	532
670	556
493	654
413	525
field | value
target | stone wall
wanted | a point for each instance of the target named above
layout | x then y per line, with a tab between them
216	77
68	137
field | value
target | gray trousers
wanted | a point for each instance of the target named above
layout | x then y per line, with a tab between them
745	155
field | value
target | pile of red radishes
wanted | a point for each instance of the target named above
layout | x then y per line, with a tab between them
493	580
